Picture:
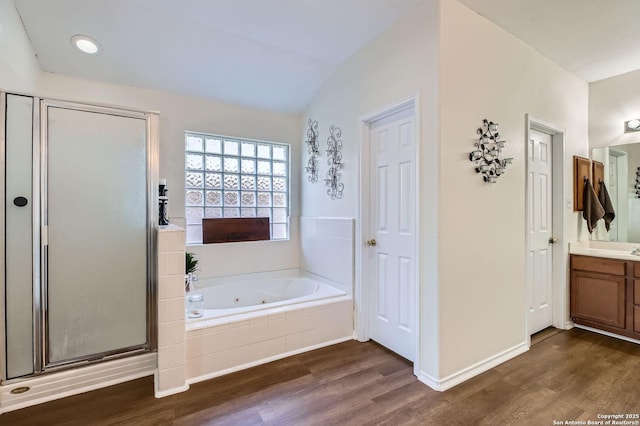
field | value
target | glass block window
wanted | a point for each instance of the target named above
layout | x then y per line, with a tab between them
231	177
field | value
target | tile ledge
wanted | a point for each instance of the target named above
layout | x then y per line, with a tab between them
170	228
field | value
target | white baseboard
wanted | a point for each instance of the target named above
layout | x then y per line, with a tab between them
473	370
65	383
606	333
169	392
266	360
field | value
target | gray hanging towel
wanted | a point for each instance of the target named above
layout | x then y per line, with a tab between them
605	201
592	210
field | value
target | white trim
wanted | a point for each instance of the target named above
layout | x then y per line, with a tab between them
361	295
3	316
606	333
235	368
89	103
53	386
560	312
168	392
473	370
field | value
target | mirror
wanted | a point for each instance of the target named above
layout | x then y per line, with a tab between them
621	165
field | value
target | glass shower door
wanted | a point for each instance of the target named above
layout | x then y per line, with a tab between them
95	228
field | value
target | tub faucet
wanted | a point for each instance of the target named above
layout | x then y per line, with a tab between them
190	280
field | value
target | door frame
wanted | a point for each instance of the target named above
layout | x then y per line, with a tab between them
559	285
362	293
152	125
151	148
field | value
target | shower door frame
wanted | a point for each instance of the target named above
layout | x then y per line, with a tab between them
35	236
40	244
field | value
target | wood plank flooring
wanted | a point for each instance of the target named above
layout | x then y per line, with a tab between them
572	375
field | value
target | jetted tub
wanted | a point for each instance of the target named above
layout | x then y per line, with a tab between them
233	296
257	318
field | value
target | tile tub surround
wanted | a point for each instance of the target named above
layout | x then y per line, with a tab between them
327	245
224	345
170	375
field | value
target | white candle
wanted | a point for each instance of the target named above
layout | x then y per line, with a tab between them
162	181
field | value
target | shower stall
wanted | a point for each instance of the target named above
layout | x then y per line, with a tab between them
78	247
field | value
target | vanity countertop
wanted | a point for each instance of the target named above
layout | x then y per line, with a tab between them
608	249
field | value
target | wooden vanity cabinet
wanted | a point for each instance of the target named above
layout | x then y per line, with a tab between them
636	304
605	294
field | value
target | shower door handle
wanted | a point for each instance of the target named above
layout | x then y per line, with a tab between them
20	201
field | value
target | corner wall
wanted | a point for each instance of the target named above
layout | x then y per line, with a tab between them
489	73
472	238
399	64
612	102
19	68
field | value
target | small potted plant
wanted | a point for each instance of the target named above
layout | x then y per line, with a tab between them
191	266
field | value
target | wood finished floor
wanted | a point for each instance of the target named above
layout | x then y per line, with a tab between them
572	375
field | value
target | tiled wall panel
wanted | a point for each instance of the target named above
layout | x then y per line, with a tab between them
170	377
327	246
254	338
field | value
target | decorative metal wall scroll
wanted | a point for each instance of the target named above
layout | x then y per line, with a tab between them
163	218
314	151
487	154
334	148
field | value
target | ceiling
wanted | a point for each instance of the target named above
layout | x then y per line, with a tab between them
594	39
267	54
276	54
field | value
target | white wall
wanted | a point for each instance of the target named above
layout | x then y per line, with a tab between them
20	72
612	102
472	234
399	64
179	113
488	73
18	65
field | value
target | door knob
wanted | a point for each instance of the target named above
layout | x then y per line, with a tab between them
20	201
553	240
372	242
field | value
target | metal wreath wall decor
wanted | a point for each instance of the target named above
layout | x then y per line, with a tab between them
487	153
314	150
334	148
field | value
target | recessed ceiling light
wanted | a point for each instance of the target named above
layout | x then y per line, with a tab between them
632	125
85	44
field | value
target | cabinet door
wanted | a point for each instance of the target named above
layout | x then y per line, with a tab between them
598	298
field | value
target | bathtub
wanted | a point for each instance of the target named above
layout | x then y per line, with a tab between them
230	296
300	313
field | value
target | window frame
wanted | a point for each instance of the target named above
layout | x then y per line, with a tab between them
211	205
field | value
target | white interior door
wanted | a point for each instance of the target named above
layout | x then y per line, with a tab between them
540	231
392	258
